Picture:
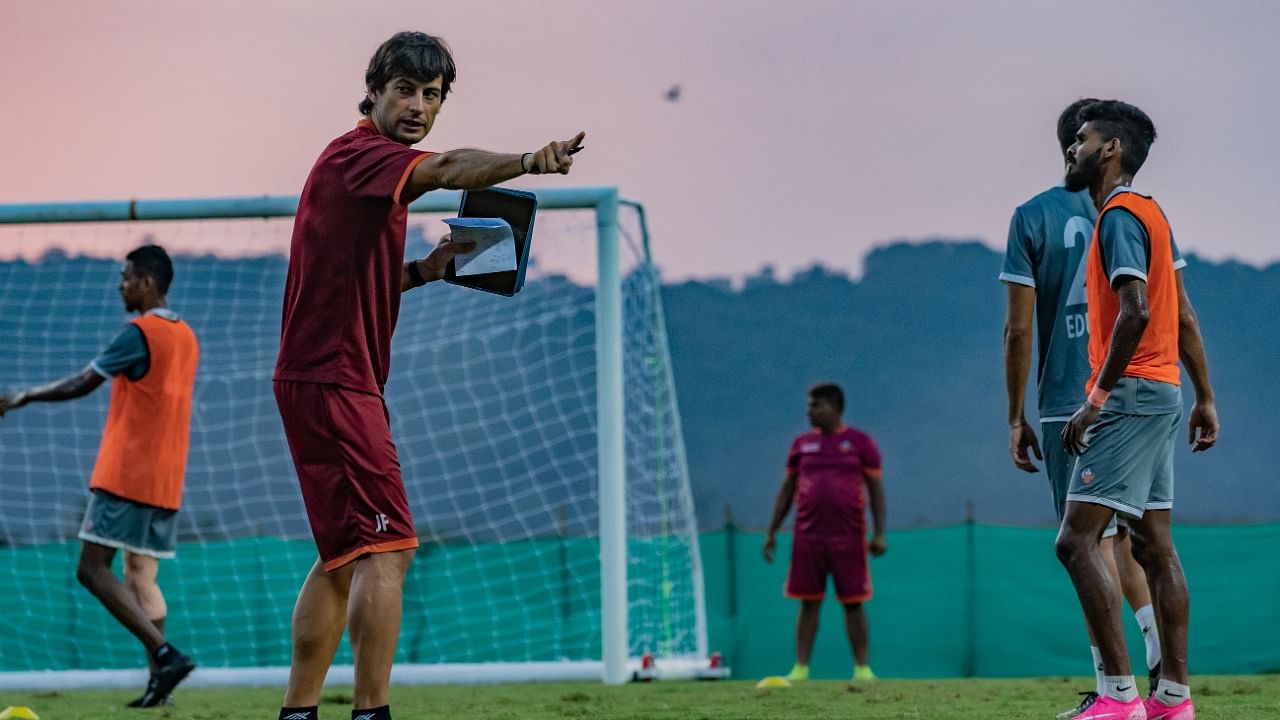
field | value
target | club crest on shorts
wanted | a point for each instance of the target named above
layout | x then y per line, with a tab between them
1086	476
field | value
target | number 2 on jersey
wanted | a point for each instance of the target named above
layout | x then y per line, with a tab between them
1078	227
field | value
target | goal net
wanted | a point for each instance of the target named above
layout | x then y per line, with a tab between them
494	407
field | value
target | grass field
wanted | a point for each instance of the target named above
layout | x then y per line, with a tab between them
1253	697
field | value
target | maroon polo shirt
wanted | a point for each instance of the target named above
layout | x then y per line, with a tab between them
342	291
830	469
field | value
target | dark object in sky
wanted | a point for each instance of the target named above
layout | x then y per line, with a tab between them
672	94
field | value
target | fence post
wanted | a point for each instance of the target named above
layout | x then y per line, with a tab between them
971	592
731	561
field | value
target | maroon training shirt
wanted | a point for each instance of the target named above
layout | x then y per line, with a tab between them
342	292
830	500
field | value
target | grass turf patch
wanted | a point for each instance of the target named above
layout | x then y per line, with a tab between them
1237	697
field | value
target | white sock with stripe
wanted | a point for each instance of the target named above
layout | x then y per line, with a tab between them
1146	617
1171	693
1097	669
1120	687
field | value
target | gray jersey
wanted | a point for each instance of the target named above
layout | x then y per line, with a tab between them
1048	241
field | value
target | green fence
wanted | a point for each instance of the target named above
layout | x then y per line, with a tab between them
954	601
230	604
989	601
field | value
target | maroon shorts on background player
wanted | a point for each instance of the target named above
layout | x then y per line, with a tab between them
844	559
347	468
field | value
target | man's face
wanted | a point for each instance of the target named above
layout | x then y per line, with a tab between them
1084	158
822	413
133	287
405	109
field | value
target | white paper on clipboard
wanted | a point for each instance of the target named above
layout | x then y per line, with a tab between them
495	249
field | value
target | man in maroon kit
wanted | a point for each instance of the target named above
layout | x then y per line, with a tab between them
826	471
342	297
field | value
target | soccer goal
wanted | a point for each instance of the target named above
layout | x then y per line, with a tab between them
539	437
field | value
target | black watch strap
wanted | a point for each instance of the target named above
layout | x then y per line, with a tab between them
415	276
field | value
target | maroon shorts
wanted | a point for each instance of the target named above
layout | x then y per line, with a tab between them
844	559
340	440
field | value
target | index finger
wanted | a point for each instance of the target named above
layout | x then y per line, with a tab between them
1021	461
1071	440
576	140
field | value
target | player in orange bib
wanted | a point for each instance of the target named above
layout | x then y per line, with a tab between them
1140	324
137	480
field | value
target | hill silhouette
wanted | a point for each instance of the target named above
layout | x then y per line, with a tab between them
916	344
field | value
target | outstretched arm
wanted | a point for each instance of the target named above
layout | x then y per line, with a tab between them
781	506
469	169
1017	365
1204	415
68	388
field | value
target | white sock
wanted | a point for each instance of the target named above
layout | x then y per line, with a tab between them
1146	617
1120	687
1097	669
1171	693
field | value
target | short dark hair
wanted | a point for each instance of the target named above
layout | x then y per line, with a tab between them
1116	119
414	55
152	260
1069	122
829	392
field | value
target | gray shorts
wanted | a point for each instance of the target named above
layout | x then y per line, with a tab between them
115	522
1058	465
1128	465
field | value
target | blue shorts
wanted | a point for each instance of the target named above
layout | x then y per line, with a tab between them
1058	465
1128	465
117	522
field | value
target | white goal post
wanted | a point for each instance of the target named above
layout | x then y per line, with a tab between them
671	597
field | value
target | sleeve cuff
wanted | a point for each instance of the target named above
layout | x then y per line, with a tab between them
94	366
1132	272
1018	279
1179	263
404	179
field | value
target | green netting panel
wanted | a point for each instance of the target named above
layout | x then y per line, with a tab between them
990	601
230	615
954	601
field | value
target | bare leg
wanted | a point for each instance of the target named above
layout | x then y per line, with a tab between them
855	625
374	616
140	572
1106	547
319	616
1137	591
1153	547
1133	581
1079	550
94	572
807	629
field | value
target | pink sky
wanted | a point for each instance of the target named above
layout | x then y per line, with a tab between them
805	131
